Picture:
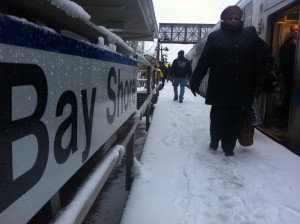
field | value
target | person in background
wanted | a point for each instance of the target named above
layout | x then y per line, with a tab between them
157	74
287	60
168	70
232	55
180	70
163	74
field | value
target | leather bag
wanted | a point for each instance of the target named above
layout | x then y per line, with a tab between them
246	130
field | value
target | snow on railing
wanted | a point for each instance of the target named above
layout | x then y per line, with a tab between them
72	9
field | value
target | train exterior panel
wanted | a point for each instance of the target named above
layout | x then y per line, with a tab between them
61	99
272	20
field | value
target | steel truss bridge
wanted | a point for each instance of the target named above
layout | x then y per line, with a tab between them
182	33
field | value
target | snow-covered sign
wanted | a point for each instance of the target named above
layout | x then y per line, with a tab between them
61	99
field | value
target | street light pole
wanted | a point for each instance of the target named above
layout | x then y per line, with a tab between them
160	50
157	48
164	57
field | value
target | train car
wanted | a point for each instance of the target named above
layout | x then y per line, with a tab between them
272	20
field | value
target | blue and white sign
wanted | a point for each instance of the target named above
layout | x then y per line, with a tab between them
61	99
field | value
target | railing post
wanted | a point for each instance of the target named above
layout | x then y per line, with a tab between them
148	93
157	78
55	203
129	162
153	79
148	80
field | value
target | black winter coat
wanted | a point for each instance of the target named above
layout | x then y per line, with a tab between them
181	67
231	54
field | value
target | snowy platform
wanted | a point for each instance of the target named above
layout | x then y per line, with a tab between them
179	181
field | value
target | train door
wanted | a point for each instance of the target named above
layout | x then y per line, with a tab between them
280	105
294	125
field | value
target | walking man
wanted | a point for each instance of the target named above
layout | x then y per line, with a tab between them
180	70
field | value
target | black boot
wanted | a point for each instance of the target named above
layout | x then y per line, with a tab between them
229	153
213	146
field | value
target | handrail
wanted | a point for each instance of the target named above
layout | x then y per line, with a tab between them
146	103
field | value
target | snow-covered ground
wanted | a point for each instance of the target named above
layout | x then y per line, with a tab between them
180	181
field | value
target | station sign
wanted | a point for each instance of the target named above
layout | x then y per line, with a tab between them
61	100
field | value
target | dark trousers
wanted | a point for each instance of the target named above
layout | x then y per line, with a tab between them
163	82
224	126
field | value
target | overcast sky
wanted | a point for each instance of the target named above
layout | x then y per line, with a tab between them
188	11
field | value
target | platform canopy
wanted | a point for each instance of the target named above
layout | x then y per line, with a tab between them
129	19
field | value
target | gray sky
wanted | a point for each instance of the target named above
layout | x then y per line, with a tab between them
187	11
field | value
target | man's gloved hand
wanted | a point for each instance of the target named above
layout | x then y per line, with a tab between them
194	90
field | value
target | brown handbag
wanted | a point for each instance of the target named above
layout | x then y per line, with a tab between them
246	130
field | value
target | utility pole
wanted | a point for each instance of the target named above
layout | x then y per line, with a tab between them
160	50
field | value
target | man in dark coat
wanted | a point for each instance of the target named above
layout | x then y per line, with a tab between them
287	60
180	70
231	54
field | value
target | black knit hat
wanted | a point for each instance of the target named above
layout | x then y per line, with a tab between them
181	53
231	10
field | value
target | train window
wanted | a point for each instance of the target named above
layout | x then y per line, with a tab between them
248	15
